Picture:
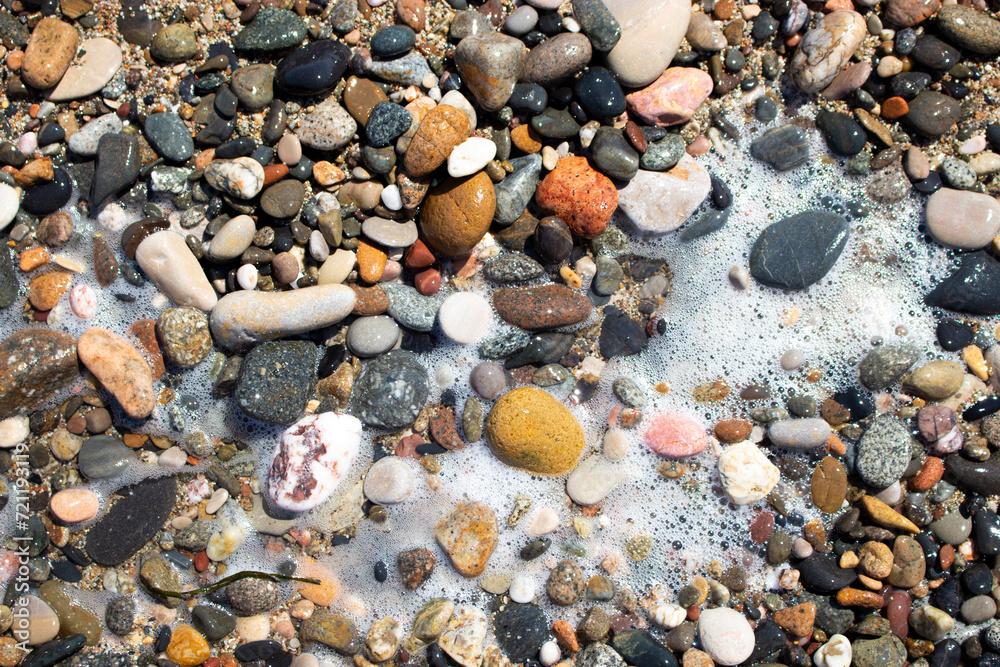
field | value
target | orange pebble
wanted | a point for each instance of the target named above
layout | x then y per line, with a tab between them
274	173
34	258
202	159
371	262
526	139
14	60
835	445
894	107
793	40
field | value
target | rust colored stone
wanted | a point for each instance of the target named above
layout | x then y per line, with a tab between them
369	300
929	475
144	331
371	262
583	197
44	291
537	308
443	128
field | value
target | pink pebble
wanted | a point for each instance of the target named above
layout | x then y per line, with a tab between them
74	505
28	143
83	301
674	436
699	146
391	271
673	98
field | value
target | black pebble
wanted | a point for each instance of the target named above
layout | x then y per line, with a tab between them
599	94
66	571
953	335
765	109
721	196
381	572
393	41
764	26
528	97
162	638
236	148
929	185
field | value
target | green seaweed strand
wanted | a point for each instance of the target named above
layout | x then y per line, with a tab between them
225	581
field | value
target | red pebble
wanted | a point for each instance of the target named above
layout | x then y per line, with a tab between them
898	613
761	527
123	110
201	561
418	256
693	613
428	281
212	662
274	173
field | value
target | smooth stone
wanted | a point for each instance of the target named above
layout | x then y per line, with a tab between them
167	134
242	319
726	635
656	202
934	54
391	390
283	200
118	165
465	317
274	380
410	70
233	239
973	288
969	28
410	308
529	429
313	69
952	528
74	505
490	63
488	380
9	204
133	520
392	41
843	134
42	622
521	21
520	630
703	35
614	155
271	30
592	480
49	52
886	364
598	92
386	123
311	459
555	124
932	114
242	177
651	33
371	336
784	147
468	536
120	368
47	197
390	233
389	481
663	154
253	86
673	98
801	434
545	307
174	43
826	49
639	647
556	60
620	334
711	222
35	365
101	60
173	268
963	220
798	251
820	573
598	23
515	191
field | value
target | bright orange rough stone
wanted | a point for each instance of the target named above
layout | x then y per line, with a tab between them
33	258
323	593
584	198
187	647
371	262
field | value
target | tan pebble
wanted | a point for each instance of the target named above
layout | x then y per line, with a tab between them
74	505
33	258
973	358
849	560
875	560
570	277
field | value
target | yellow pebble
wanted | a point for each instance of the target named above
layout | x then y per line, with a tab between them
571	277
973	358
187	647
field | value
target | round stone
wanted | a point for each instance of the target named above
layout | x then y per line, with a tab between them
389	481
371	336
74	505
465	317
672	435
725	635
529	429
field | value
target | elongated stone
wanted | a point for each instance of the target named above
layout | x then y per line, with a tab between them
173	268
243	319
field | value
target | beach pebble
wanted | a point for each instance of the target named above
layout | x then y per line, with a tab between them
50	51
963	220
592	480
675	436
834	653
725	635
465	317
389	481
240	177
656	202
673	98
311	459
529	429
799	433
470	156
83	301
233	239
13	431
826	49
746	473
74	505
120	368
522	589
371	336
170	264
84	141
100	61
650	36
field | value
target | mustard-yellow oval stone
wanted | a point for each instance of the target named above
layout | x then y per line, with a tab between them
529	429
187	647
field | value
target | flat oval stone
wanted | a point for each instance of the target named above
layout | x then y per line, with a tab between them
50	50
784	147
392	41
556	59
828	485
371	336
651	33
962	219
167	134
101	59
799	433
74	505
104	457
969	28
132	521
173	268
120	368
327	127
844	135
233	239
798	251
314	68
932	113
242	319
389	481
457	213
390	233
972	288
253	86
529	429
545	307
272	29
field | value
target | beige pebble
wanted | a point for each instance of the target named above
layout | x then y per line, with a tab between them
544	522
615	444
74	505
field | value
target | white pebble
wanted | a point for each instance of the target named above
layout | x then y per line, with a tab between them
28	143
544	522
587	133
175	457
585	267
246	276
319	249
801	548
83	301
835	653
739	277
571	24
216	502
549	654
391	197
9	203
465	317
13	431
792	359
549	157
113	217
444	376
667	615
522	589
389	481
973	145
470	156
615	444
